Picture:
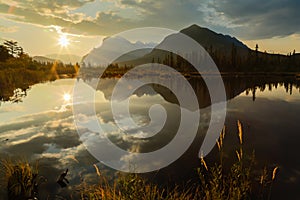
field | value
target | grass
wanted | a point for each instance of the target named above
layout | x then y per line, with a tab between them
132	186
220	180
241	179
21	179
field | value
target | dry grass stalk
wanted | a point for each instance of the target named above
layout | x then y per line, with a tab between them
274	173
240	129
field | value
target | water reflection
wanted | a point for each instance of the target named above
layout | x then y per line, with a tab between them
41	127
15	83
234	86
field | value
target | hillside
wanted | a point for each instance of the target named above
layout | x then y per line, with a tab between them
43	59
208	38
65	58
112	47
229	54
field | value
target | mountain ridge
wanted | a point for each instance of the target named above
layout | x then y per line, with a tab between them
194	31
112	47
65	58
44	59
228	53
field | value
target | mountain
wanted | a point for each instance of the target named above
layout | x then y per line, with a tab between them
44	59
65	58
208	38
216	44
112	47
213	42
228	53
219	46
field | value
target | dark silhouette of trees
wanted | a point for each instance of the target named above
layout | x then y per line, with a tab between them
228	59
4	55
18	71
171	60
233	56
11	46
256	48
256	53
13	49
19	51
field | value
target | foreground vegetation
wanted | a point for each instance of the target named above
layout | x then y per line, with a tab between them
218	180
20	179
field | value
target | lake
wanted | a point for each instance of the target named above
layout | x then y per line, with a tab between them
41	127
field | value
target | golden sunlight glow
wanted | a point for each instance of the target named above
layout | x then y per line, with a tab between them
63	41
67	97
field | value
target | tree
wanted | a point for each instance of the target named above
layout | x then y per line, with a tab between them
256	53
171	59
19	51
4	55
12	47
233	55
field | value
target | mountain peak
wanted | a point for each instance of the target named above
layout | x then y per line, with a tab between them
112	47
207	37
196	28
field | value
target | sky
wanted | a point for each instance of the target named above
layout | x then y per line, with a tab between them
38	25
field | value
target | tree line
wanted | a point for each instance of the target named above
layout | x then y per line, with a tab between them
228	59
18	71
236	59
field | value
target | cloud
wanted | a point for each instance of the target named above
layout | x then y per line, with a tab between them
46	6
170	14
247	19
262	19
6	29
45	13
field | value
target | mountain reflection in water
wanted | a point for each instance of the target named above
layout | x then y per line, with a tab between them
41	127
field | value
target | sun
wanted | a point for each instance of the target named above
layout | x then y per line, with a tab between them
67	97
63	41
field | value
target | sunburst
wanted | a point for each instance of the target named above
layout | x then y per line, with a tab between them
63	41
67	97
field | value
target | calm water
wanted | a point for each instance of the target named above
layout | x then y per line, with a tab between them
41	127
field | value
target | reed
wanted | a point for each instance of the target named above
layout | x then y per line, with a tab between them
218	179
21	179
